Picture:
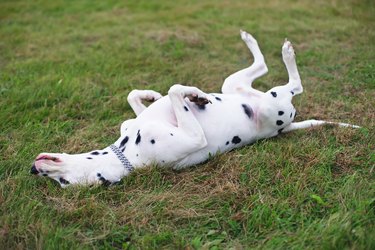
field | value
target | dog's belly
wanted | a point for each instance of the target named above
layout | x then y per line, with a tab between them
228	122
226	125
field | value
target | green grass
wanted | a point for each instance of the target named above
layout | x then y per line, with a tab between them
66	68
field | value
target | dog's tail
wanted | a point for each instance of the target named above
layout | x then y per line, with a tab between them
314	123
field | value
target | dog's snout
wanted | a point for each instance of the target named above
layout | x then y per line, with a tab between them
34	170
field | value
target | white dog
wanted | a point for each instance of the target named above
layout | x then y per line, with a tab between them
187	126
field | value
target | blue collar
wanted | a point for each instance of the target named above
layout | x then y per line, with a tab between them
125	162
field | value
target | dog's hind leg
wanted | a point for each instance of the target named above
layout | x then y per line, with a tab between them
242	80
314	123
136	98
294	85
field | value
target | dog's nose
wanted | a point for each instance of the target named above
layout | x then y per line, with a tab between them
34	170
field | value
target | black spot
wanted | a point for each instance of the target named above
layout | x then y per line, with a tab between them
218	98
291	114
45	174
236	140
124	141
104	181
295	114
163	161
280	130
274	94
292	92
63	181
138	139
104	153
89	158
98	174
95	153
279	122
122	150
152	141
201	106
136	155
248	110
186	109
227	143
171	134
281	112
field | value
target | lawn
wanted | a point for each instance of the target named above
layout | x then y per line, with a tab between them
66	68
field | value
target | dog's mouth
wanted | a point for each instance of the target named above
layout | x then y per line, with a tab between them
47	157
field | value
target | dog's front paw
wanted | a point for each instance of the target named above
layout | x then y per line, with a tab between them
197	96
199	100
151	96
192	93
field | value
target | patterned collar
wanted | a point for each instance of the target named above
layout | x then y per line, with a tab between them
125	162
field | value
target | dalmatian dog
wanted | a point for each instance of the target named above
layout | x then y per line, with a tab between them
187	126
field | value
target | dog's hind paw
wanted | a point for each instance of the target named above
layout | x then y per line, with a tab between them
247	38
288	50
